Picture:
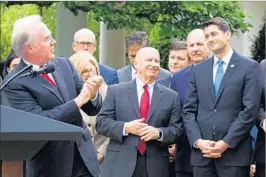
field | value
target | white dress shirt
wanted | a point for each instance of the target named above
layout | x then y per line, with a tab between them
226	59
133	73
140	91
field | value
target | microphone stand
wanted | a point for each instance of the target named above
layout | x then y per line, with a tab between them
13	77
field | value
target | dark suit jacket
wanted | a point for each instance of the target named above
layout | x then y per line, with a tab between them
260	143
37	96
109	74
229	116
179	83
165	82
120	106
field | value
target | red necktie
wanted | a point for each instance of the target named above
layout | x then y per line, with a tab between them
47	78
144	109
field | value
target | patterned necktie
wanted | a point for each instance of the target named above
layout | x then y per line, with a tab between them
144	109
219	76
48	79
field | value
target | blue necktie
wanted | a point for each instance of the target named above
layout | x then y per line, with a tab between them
219	76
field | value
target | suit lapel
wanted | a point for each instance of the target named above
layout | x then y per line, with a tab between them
230	69
41	81
133	97
155	100
209	77
61	86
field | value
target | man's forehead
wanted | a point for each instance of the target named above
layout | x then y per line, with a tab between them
149	55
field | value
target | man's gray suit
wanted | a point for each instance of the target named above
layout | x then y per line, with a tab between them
125	74
37	96
120	106
229	116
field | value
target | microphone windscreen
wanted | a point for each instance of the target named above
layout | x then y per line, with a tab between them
50	68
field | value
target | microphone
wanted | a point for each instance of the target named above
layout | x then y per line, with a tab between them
49	68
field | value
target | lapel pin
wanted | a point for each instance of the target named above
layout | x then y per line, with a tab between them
232	66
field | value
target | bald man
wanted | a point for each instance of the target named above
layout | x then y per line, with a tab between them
198	51
85	40
142	118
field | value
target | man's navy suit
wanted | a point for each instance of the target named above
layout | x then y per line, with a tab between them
179	83
109	74
229	116
37	96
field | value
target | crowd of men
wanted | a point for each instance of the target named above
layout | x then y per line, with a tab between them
194	120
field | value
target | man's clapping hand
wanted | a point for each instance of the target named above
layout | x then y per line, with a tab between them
89	90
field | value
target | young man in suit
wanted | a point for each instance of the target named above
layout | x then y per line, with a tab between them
134	42
177	60
198	51
59	96
142	118
84	39
221	107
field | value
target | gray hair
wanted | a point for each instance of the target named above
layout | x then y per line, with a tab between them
22	33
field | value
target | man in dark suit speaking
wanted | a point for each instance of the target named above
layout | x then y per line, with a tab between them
142	118
58	96
221	107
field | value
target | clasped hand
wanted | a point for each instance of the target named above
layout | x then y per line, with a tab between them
139	128
212	149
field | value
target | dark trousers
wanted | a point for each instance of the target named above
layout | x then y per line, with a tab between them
141	166
172	169
260	170
79	168
220	171
184	174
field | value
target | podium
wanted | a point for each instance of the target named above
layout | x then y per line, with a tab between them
23	134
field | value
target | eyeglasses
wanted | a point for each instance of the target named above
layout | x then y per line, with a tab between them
83	43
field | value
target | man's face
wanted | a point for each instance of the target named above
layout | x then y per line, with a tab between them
42	48
197	48
84	43
178	59
216	39
148	65
131	53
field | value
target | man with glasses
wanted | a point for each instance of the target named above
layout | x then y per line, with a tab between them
84	39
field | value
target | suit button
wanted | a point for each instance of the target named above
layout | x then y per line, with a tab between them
214	110
89	125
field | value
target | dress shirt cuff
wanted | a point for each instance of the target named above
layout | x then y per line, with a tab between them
195	144
261	123
95	98
124	131
160	132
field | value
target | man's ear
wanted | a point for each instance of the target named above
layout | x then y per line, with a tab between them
74	46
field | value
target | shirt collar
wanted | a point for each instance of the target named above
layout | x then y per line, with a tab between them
226	58
133	69
140	83
36	67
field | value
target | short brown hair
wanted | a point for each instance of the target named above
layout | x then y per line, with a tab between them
177	45
221	23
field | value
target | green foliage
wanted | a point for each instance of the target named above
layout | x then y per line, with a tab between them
9	14
258	47
162	20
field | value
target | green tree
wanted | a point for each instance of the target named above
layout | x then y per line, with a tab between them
10	13
162	20
258	47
